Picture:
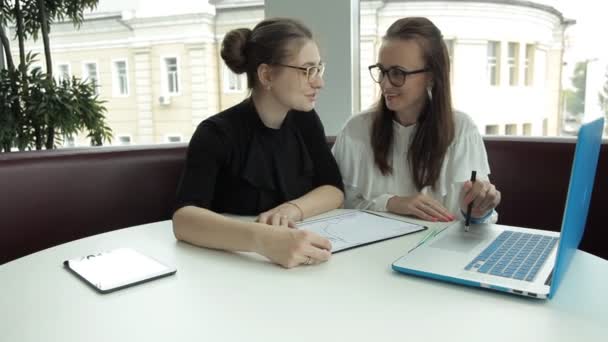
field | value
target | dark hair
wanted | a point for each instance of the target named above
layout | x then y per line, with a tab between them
435	130
270	41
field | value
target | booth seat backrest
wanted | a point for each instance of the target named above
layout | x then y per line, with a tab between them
52	197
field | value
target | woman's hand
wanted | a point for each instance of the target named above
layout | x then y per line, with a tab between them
285	214
484	196
294	247
420	206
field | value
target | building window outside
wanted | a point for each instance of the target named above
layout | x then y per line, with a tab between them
492	130
120	78
449	44
529	72
69	141
174	138
91	74
511	129
171	75
493	65
124	140
513	63
527	129
233	83
64	73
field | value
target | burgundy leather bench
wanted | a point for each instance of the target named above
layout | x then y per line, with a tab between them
52	197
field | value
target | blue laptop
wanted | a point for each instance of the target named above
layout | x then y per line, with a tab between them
522	261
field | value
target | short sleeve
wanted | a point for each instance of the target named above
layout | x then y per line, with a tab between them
207	153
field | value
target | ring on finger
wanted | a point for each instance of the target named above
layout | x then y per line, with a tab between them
308	261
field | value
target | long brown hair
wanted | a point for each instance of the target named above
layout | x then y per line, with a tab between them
271	41
435	130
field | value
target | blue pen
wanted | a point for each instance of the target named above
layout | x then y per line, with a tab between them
470	206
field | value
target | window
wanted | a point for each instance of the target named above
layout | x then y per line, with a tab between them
170	75
449	43
527	129
91	74
511	129
233	83
174	138
124	140
64	73
120	78
69	141
493	66
492	130
513	62
529	67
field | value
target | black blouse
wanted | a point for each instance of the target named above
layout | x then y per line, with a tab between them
235	164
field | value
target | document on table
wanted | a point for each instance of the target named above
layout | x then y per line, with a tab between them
358	228
117	269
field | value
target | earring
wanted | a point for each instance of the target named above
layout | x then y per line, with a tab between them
268	87
429	92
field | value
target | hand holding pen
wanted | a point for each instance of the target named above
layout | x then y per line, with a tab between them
480	197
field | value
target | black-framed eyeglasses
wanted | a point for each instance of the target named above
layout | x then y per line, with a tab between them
396	74
311	71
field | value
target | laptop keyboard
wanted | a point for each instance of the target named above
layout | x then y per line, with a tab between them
514	255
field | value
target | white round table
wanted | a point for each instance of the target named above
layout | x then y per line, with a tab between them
222	296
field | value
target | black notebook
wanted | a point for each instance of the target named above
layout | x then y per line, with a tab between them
117	269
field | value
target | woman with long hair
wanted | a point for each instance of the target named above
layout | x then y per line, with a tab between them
413	154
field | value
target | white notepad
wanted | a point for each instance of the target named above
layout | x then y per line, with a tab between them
117	269
358	228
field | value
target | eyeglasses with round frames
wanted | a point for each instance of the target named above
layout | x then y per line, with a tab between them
311	71
396	74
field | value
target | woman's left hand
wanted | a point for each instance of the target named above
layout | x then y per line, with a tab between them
483	194
285	214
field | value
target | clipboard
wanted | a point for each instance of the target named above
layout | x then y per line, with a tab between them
117	269
359	228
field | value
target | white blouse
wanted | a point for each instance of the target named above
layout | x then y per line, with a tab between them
367	188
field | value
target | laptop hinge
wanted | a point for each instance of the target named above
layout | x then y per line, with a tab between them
549	278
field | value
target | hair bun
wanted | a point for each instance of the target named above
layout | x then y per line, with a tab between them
233	49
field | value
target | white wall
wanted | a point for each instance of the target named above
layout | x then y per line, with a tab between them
472	25
335	25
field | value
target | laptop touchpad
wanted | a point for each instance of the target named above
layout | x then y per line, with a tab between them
458	241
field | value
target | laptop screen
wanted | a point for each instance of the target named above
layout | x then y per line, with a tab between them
582	177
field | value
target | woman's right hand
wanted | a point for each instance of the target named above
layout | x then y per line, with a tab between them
420	206
293	247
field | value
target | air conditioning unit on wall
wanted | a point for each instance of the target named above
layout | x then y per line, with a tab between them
164	100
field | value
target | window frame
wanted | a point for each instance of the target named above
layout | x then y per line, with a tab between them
115	78
495	64
529	63
168	137
85	71
58	74
513	63
164	80
227	76
118	136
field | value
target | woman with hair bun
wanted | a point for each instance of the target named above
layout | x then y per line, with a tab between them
266	157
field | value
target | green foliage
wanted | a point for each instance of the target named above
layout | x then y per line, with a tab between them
575	99
9	108
57	10
34	107
67	107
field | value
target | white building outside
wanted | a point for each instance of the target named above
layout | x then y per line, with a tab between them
158	66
